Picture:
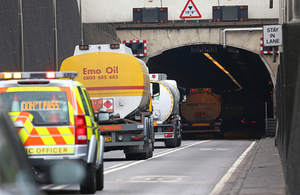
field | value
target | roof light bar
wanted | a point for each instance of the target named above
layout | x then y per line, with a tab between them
37	75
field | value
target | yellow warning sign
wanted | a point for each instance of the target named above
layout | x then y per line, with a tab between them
190	11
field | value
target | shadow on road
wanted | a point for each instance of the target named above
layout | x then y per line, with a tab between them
235	134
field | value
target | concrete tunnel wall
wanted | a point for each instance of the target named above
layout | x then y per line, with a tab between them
38	19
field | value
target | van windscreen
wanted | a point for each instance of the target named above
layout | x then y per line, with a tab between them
47	107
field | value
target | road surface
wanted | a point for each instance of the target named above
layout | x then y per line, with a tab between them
199	167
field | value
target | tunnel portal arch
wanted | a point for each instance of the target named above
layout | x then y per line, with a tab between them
162	40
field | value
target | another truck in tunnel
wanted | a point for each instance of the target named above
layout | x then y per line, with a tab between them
202	112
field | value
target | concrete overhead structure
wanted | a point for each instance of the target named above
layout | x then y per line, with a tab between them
160	40
178	32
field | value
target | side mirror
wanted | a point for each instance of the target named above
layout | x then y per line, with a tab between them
183	99
103	115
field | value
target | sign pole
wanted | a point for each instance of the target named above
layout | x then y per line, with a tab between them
274	54
21	35
55	37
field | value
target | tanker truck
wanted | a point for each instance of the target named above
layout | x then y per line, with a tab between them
119	87
165	102
202	113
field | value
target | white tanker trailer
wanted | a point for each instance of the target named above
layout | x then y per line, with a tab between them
165	102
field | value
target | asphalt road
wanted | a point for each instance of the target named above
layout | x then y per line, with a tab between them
199	167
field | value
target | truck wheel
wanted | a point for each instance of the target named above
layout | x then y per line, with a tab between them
130	156
179	139
88	186
219	135
151	150
100	178
179	142
143	156
171	143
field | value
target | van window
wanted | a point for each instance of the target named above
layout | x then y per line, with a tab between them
47	107
86	109
89	102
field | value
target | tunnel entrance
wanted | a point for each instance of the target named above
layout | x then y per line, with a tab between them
239	76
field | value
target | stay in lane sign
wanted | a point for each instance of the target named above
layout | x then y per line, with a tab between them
190	11
272	35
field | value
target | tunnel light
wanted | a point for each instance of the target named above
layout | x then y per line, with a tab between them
224	70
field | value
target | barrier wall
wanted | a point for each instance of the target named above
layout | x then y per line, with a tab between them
288	106
38	19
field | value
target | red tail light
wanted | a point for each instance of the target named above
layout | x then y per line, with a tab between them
80	130
168	135
136	137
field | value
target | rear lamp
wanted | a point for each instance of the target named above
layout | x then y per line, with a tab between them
136	137
153	76
168	135
114	46
83	47
80	130
120	137
80	121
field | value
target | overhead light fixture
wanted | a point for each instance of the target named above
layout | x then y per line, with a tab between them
224	70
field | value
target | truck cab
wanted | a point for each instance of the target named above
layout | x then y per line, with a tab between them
55	121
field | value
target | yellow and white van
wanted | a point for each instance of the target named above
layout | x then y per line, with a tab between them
55	121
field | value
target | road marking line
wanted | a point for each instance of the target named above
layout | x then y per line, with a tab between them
115	166
59	187
47	186
225	178
154	156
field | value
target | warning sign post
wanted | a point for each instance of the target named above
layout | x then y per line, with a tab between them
272	37
190	11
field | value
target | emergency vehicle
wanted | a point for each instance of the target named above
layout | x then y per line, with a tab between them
54	118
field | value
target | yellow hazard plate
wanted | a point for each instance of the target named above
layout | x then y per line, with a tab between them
107	138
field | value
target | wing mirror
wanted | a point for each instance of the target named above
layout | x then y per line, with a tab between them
103	115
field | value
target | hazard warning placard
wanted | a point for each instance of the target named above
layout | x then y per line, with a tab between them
190	11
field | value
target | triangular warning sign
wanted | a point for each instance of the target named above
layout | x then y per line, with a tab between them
190	11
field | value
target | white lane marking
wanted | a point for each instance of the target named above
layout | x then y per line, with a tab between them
225	178
213	149
154	156
59	187
115	166
47	186
157	178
